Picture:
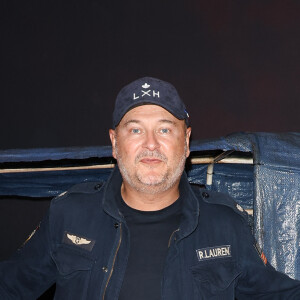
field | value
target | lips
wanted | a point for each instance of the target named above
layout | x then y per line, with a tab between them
150	157
151	160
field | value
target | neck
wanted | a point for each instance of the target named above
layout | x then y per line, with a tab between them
149	202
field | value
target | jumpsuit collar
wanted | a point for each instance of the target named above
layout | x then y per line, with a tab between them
190	204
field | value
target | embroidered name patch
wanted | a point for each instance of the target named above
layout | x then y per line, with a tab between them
79	241
214	252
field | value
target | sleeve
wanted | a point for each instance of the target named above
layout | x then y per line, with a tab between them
31	270
259	280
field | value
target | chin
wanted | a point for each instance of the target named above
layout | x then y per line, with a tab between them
152	180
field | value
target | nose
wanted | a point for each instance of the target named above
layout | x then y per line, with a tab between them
151	142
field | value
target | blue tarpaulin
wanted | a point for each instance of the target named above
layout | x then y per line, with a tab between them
269	186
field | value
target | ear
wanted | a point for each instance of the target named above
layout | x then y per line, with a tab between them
187	137
112	135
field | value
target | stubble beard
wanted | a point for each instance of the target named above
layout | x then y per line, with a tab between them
151	184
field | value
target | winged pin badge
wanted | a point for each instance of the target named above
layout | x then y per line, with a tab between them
78	240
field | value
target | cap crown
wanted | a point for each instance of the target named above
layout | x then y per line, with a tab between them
148	90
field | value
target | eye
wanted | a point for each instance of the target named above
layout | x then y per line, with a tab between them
164	130
135	130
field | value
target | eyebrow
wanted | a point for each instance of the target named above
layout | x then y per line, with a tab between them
167	121
160	121
132	121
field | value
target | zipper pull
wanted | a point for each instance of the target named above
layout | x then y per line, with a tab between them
173	237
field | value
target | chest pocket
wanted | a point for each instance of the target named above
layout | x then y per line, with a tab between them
215	279
69	261
74	273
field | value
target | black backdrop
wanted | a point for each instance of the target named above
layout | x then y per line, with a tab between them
235	63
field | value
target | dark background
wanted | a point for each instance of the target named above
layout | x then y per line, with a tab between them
235	64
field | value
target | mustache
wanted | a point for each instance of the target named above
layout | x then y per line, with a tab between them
154	154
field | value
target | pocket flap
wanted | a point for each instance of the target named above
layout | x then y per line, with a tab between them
68	261
216	276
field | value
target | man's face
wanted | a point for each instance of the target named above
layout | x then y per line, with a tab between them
151	147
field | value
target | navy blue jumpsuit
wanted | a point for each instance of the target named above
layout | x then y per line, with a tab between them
82	245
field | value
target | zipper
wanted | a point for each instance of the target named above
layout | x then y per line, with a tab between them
163	278
170	239
114	260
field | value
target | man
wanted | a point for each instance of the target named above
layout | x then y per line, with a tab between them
145	234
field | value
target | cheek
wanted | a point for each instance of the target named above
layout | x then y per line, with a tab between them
127	150
174	147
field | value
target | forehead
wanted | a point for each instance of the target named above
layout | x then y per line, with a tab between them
148	113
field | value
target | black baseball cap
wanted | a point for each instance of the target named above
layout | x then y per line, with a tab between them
148	90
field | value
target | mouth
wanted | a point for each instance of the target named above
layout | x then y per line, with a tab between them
150	160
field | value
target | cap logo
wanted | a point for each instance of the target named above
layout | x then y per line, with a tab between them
146	85
146	93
